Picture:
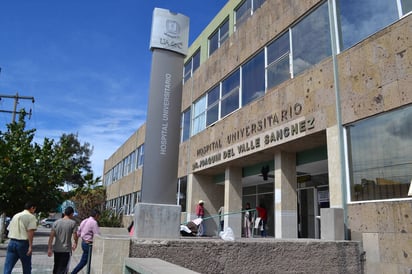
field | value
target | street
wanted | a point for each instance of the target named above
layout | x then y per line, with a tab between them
41	263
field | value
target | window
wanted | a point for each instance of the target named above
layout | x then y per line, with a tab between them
185	130
218	37
311	40
182	193
191	66
257	4
213	97
107	179
230	94
278	55
380	150
245	10
360	19
140	156
199	115
406	6
253	78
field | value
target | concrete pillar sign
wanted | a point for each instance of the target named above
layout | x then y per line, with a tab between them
169	42
285	196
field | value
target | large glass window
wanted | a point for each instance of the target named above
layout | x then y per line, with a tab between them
253	78
360	19
185	133
311	39
278	55
218	37
230	94
380	161
199	115
213	105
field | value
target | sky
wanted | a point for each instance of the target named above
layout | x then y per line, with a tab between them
86	63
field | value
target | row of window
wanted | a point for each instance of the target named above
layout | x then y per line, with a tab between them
220	35
300	47
124	204
130	163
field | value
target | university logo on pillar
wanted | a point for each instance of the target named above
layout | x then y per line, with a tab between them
170	31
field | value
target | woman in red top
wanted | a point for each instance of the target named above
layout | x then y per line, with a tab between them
200	213
262	214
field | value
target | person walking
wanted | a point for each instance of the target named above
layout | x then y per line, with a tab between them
262	214
21	233
221	213
200	213
87	229
63	230
247	221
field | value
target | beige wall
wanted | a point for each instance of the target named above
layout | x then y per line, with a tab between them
132	182
385	228
376	75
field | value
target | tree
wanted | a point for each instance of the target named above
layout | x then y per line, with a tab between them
90	196
29	171
79	158
93	196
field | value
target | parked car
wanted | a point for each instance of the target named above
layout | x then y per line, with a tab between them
48	222
6	224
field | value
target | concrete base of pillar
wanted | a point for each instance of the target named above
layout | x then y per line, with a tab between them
157	221
332	224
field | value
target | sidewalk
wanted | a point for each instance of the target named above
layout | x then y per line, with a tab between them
41	263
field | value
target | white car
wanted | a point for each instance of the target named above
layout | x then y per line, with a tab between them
48	222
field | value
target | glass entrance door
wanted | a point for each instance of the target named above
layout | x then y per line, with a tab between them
308	210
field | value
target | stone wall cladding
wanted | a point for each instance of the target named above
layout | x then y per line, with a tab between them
385	228
254	255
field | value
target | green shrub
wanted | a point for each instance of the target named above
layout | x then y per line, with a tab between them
110	219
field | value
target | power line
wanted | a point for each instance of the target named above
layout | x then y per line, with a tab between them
16	98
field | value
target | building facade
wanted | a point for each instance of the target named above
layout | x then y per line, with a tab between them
295	106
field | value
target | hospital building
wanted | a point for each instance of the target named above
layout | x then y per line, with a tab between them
298	106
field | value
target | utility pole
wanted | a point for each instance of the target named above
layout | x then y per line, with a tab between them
16	98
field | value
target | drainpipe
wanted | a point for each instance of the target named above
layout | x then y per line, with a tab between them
335	49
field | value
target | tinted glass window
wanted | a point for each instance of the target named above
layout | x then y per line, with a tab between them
187	73
278	53
243	12
214	42
380	150
224	32
406	6
253	78
311	39
186	125
230	94
360	19
213	105
199	115
196	61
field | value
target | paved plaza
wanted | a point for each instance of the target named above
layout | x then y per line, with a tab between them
41	263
